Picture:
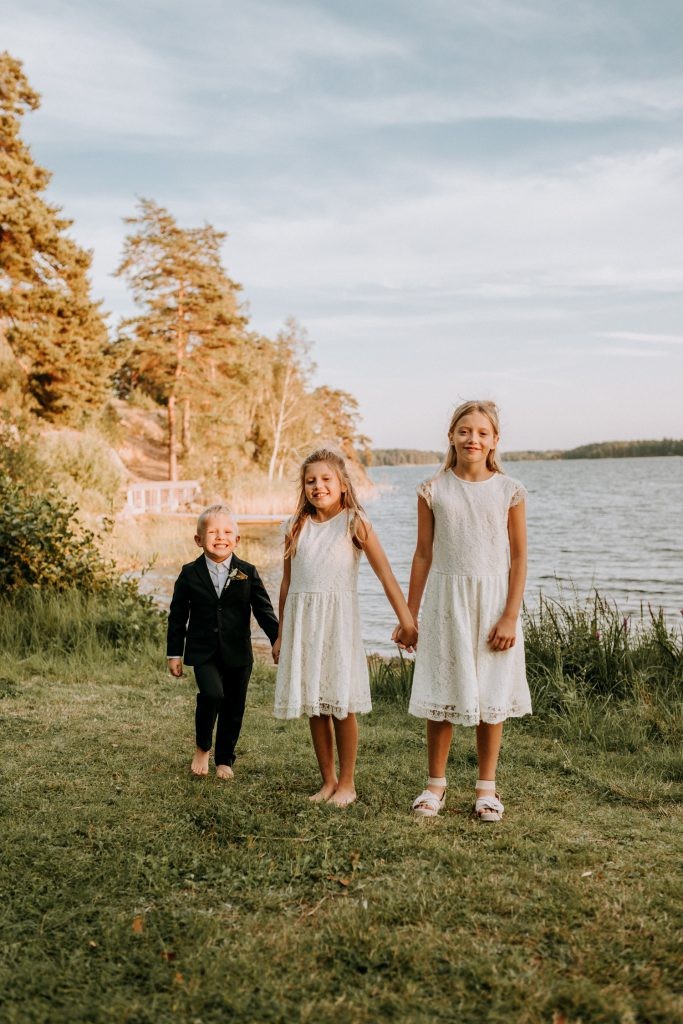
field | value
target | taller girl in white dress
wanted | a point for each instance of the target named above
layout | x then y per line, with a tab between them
322	668
471	555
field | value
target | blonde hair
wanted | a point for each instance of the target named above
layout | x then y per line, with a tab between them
213	510
356	523
488	409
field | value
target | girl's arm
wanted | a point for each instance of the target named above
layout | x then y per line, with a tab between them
284	590
503	634
379	563
422	559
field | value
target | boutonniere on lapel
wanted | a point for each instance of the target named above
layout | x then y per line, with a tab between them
236	574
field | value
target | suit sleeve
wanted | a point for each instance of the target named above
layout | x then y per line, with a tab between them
178	615
262	608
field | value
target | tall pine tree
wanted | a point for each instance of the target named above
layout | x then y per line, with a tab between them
183	346
54	331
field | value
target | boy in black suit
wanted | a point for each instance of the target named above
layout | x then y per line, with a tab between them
209	626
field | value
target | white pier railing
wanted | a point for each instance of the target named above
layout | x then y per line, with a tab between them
160	495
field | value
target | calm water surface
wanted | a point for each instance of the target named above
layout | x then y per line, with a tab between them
608	524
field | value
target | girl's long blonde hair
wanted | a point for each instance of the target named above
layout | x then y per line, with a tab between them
356	522
488	409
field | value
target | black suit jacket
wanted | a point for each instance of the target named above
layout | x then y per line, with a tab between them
202	625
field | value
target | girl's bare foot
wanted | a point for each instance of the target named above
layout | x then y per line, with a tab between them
342	796
324	793
200	762
224	771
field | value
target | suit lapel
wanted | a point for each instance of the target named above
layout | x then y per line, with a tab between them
204	574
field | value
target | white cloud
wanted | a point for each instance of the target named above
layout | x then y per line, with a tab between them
655	339
634	353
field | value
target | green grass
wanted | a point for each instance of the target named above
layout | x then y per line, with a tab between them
135	893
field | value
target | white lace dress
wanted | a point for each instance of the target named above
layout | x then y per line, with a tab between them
458	677
323	669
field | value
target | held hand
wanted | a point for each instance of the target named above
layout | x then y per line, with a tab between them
503	635
175	667
276	650
405	637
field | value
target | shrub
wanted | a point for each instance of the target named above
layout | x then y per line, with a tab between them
84	467
42	544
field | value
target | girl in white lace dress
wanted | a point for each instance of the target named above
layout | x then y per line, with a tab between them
471	555
322	668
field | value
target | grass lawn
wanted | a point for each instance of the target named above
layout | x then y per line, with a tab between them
133	892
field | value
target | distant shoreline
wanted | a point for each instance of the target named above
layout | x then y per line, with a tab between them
599	450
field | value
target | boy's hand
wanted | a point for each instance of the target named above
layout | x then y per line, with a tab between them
276	650
175	667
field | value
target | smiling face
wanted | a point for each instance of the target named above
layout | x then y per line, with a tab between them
323	489
218	536
473	437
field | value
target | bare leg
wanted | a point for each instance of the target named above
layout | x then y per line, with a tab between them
346	733
489	739
322	735
200	762
439	735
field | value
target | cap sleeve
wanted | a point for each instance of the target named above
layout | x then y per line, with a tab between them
519	494
285	527
424	490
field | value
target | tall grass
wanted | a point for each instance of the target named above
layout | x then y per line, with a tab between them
79	635
593	673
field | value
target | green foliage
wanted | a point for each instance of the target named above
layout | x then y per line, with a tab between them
85	468
80	465
391	679
116	622
42	544
602	651
625	449
401	457
55	331
586	663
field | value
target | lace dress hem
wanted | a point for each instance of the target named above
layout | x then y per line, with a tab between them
321	708
470	717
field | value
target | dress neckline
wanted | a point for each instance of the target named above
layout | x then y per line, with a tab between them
474	482
325	522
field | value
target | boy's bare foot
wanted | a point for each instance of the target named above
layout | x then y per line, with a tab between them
324	793
342	797
200	762
224	771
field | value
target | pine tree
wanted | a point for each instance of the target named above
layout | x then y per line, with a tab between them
183	345
54	331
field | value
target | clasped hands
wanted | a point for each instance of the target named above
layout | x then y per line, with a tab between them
405	637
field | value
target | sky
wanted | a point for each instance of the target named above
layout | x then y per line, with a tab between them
456	199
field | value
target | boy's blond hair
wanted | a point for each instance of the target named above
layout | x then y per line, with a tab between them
213	510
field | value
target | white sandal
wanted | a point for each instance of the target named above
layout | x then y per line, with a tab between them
428	804
488	808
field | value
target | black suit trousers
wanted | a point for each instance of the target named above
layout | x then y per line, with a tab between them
220	702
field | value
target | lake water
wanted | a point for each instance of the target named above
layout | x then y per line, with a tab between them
608	524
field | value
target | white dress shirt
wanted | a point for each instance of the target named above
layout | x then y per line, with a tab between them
218	571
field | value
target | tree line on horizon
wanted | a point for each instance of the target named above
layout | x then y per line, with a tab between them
598	450
188	351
